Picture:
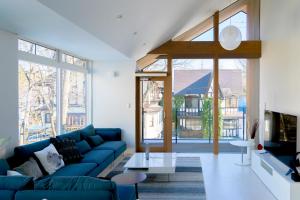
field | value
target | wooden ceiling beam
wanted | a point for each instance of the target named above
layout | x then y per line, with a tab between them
207	49
146	60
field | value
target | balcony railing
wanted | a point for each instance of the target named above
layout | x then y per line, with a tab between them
233	124
188	112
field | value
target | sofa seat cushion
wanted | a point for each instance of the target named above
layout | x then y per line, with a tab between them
79	169
3	167
126	192
98	156
117	146
7	195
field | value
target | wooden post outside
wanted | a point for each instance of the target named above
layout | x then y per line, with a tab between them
216	106
168	107
216	89
253	33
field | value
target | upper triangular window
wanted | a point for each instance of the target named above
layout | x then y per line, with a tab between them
239	20
158	66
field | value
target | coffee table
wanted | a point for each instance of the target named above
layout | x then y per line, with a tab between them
130	179
158	163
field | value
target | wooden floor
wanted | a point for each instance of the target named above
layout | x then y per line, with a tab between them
224	180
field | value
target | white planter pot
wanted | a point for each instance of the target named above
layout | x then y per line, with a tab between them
250	147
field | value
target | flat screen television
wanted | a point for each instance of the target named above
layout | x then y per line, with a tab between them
280	137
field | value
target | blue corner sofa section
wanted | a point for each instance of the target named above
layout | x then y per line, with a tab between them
73	181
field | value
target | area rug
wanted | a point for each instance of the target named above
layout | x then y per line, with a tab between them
186	184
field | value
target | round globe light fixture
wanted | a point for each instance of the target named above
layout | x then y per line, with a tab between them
230	37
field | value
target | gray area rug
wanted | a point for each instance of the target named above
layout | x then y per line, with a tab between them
186	184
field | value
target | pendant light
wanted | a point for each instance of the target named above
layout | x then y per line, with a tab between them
230	37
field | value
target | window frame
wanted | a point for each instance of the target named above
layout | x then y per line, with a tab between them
60	66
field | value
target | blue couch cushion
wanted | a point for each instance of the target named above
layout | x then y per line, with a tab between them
68	149
78	183
101	167
80	169
75	135
126	192
109	134
98	156
3	167
15	182
24	152
94	140
88	131
81	184
7	195
83	146
63	195
117	146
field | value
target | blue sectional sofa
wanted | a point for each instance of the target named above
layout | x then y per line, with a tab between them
78	178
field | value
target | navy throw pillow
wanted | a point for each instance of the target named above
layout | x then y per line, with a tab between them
83	147
68	149
95	140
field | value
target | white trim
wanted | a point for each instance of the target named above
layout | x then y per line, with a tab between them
52	48
58	100
37	43
49	62
68	66
89	98
36	59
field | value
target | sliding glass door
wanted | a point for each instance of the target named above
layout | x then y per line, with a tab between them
151	113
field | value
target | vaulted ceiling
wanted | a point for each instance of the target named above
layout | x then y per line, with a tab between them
105	29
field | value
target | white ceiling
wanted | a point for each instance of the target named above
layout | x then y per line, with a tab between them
91	28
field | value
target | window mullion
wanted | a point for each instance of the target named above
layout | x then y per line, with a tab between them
59	96
89	93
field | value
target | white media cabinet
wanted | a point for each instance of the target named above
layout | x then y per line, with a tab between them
272	172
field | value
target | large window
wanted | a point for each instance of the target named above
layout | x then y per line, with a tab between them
52	98
73	100
37	101
36	49
73	60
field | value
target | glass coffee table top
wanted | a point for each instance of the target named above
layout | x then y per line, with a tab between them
157	163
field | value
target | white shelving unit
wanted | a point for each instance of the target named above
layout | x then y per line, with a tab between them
272	172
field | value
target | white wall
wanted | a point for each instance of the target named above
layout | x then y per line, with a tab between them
114	97
9	93
280	62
